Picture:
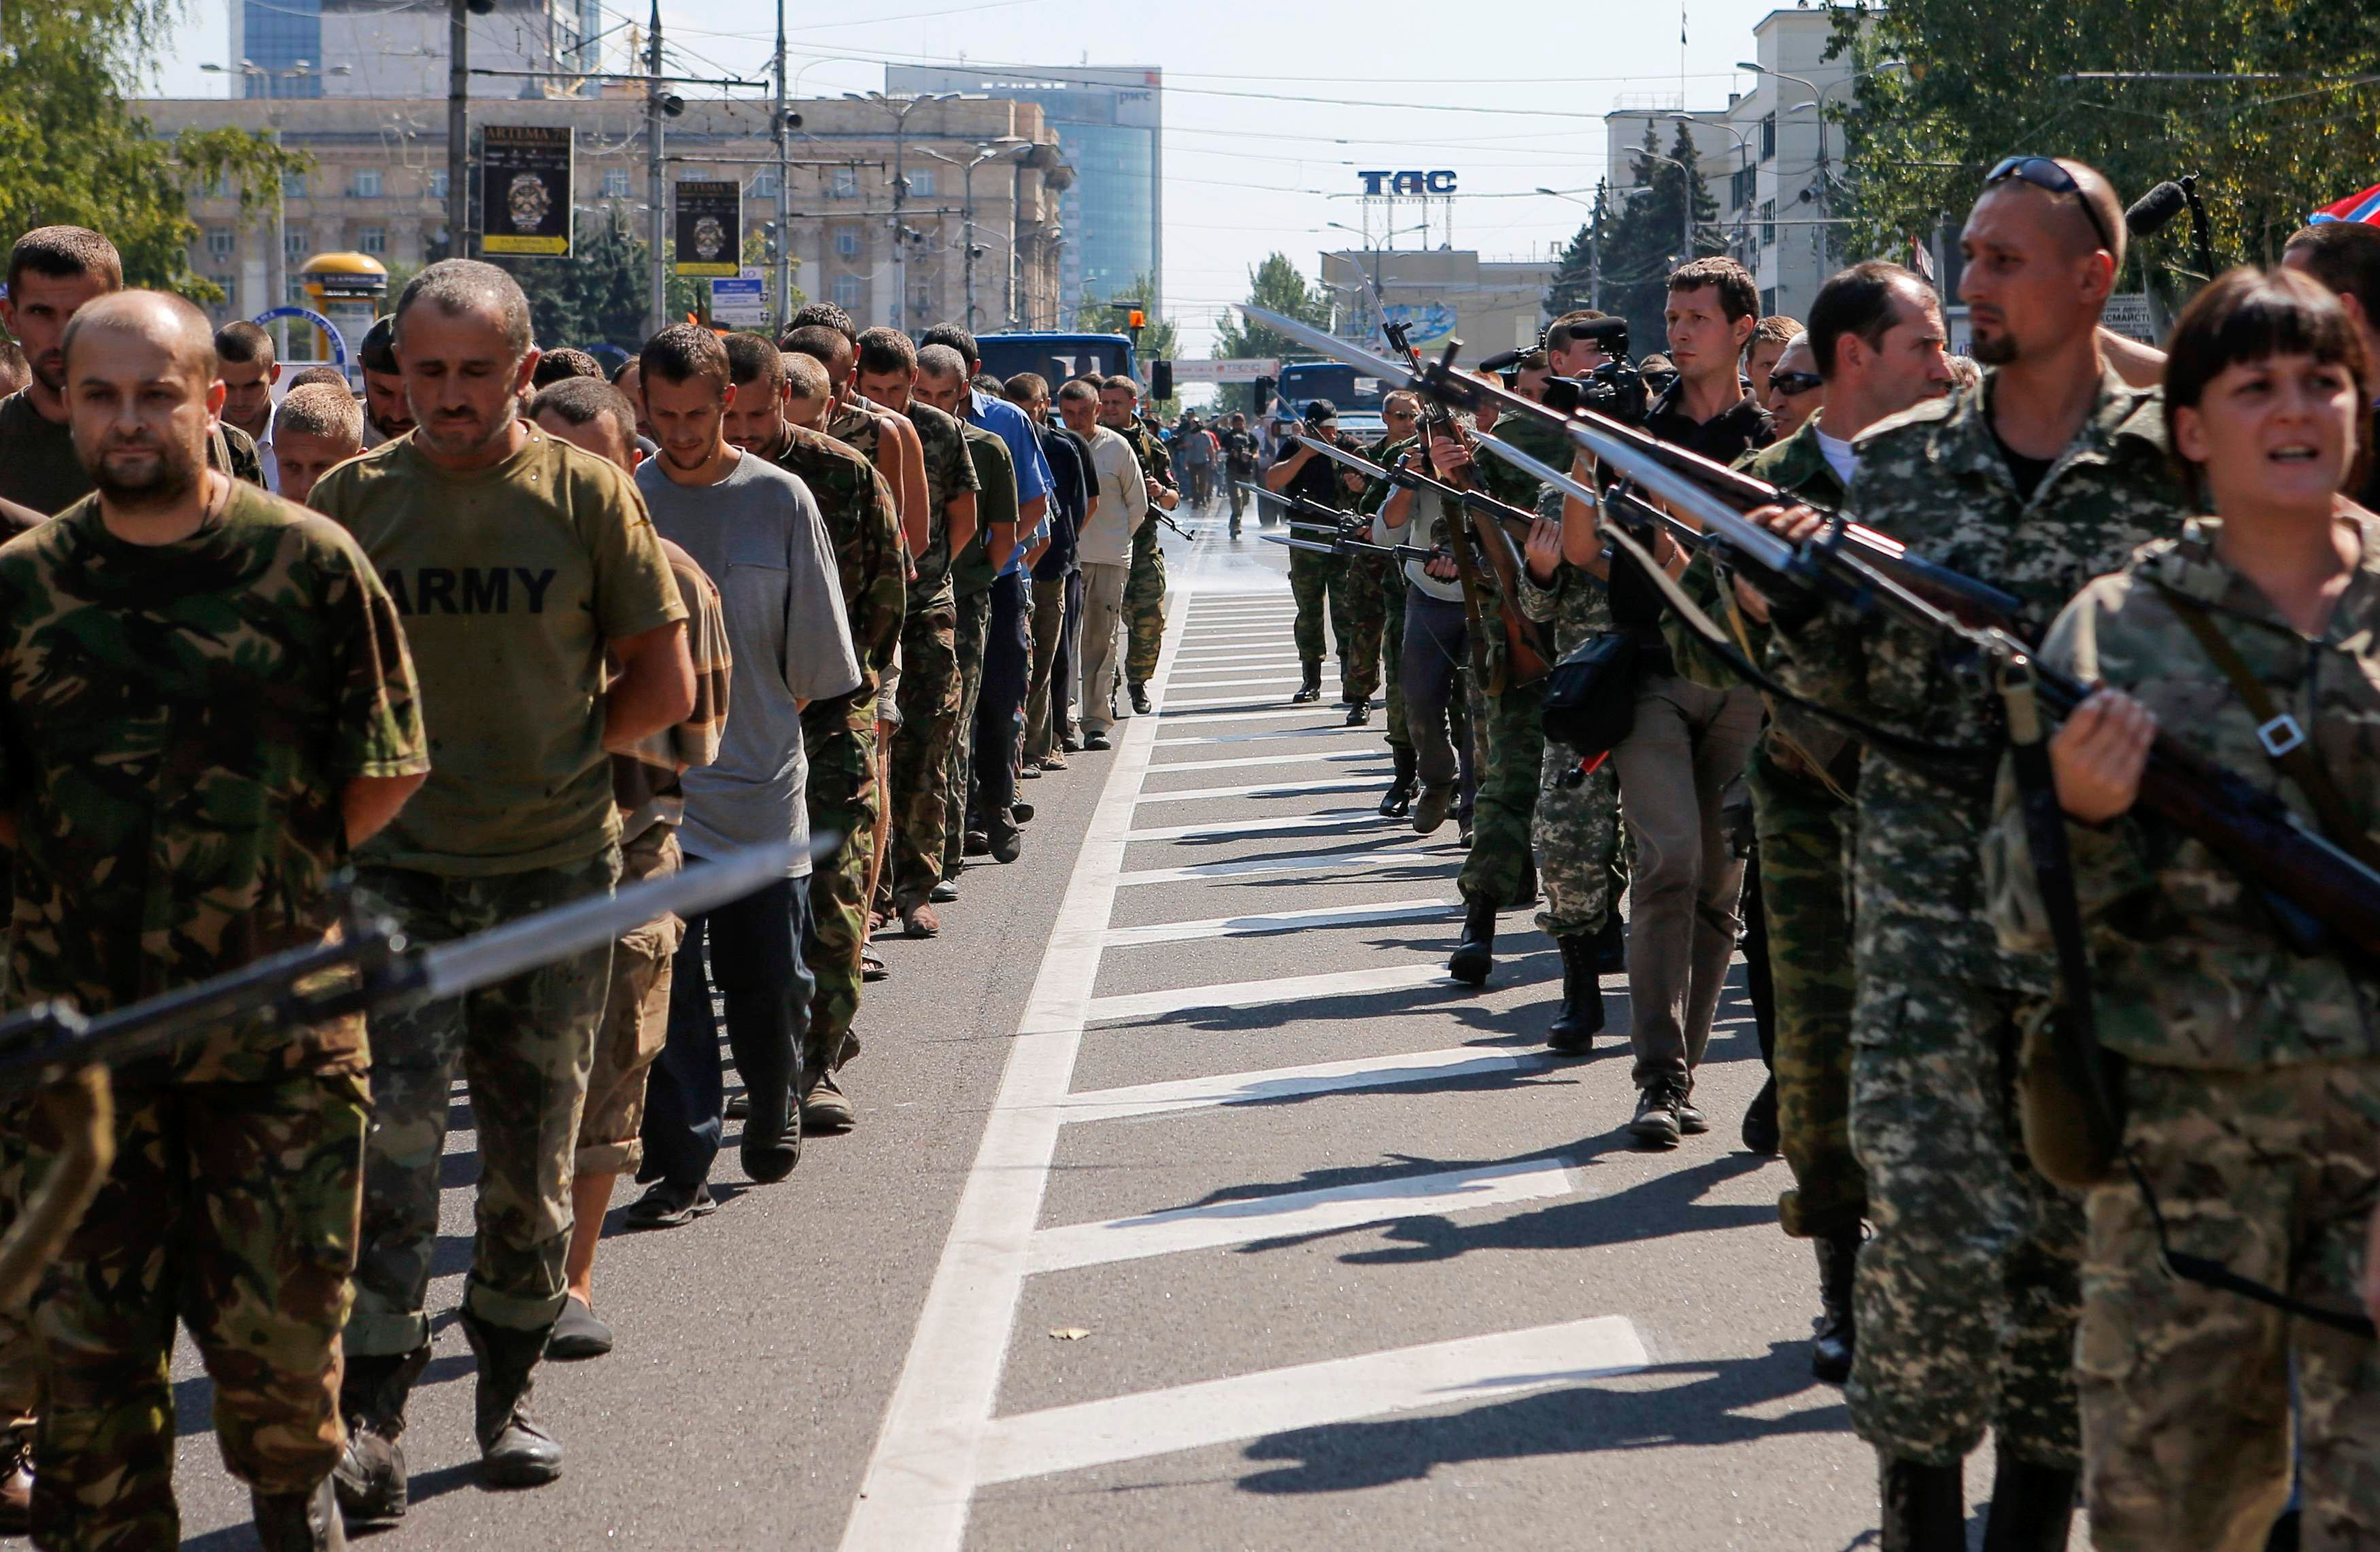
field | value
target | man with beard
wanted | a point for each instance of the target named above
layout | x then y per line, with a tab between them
501	546
244	355
53	272
174	630
387	415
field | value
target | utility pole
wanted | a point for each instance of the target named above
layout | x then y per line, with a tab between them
900	228
783	309
656	195
1595	258
458	133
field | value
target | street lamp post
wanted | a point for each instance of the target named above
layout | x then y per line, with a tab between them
276	262
1743	159
1593	244
1006	145
900	108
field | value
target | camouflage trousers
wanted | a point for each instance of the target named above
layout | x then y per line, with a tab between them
635	1019
1359	618
2186	1389
919	769
525	1046
1392	656
1144	606
233	1205
1968	1293
1577	835
1512	741
968	637
843	800
1805	904
1312	579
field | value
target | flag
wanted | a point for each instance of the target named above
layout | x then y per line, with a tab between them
1682	27
1921	261
2364	207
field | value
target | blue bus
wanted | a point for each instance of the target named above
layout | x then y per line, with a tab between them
1057	356
1357	395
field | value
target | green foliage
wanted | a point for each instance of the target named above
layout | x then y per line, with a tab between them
1642	241
1275	284
1984	85
1573	284
72	152
1160	339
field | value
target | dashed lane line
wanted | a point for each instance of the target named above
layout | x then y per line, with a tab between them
1321	863
1329	818
1259	789
1268	922
1281	1084
1133	1006
1241	762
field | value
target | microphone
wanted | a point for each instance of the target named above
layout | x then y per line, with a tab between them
2154	209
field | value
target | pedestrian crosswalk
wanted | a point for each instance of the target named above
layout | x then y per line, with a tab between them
1117	972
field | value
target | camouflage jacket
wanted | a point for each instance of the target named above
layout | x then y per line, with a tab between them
950	474
1158	464
1935	478
2190	970
180	721
860	517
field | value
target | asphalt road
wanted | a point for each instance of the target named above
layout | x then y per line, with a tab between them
1175	1218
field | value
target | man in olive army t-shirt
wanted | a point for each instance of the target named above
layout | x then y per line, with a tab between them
515	561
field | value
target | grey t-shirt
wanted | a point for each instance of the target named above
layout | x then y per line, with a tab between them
759	534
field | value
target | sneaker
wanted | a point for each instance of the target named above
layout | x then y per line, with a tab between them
1097	740
578	1333
944	891
1053	760
1029	771
1656	1116
920	921
824	1108
668	1205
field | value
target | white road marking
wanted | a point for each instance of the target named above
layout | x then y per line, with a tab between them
924	1469
1246	697
1250	737
1241	1220
1272	715
1274	789
1237	762
1329	819
1328	862
1277	921
1133	1006
1307	1396
1231	683
1292	1083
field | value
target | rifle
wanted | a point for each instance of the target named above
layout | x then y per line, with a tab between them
1414	480
1160	516
368	966
1343	545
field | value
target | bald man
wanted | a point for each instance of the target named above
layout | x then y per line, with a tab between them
2049	473
226	656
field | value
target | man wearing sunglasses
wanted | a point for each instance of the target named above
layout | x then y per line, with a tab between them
1795	389
2047	474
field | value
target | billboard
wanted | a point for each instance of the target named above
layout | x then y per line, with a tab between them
711	229
525	190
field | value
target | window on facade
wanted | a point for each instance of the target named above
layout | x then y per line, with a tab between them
293	246
221	241
850	292
1768	138
615	183
293	185
921	185
843	183
366	184
438	184
371	239
1743	183
846	241
921	300
764	184
1767	223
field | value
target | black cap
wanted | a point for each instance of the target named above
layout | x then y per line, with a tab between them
1321	409
378	352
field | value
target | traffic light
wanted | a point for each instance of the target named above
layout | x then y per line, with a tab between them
1264	387
769	239
1160	379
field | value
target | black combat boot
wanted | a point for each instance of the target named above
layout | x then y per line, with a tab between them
1359	712
1761	1134
299	1522
1925	1508
1397	801
1611	946
2031	1505
370	1477
1574	1028
1140	699
1312	689
1475	951
514	1451
1831	1348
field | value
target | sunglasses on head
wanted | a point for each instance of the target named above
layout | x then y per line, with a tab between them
1794	382
2045	174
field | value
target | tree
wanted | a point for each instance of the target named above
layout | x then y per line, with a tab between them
1573	284
1160	339
1982	85
1275	284
1644	241
73	152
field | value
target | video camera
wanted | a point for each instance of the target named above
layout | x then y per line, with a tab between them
1616	389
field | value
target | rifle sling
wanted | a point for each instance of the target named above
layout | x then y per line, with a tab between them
2295	756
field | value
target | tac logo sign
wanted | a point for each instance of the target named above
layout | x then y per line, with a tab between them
1409	183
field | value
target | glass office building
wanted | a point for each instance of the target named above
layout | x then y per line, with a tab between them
1109	123
275	36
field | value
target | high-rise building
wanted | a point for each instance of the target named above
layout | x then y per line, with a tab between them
370	48
278	46
1109	123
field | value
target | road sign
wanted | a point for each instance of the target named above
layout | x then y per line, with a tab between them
2127	313
1247	370
739	299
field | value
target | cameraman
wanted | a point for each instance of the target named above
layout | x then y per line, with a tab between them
1689	741
1315	578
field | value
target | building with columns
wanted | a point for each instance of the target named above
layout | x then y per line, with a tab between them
378	188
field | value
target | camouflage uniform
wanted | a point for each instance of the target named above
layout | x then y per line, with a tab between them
1967	1294
1319	582
929	688
2253	1090
972	576
1799	778
840	735
1143	590
180	721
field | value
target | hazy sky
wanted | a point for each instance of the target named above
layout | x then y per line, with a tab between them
1270	109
